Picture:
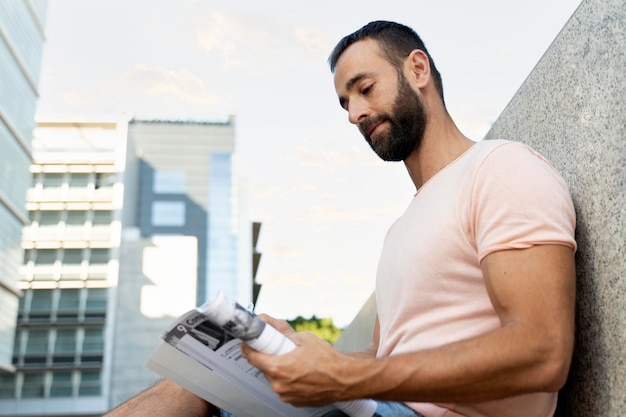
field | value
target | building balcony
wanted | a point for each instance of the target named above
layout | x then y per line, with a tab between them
80	236
69	195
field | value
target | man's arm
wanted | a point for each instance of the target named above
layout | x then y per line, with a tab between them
165	399
533	292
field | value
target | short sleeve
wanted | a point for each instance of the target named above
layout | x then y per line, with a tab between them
518	200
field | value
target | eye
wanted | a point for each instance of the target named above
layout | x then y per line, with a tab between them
367	89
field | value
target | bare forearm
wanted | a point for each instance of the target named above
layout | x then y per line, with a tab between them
165	399
367	353
489	367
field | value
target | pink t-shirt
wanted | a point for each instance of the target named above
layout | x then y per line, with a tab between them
430	289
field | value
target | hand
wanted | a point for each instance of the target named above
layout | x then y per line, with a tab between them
307	376
280	325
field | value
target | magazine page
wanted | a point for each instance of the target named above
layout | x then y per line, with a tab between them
183	370
243	324
212	334
219	353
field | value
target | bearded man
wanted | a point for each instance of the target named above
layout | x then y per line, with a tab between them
475	286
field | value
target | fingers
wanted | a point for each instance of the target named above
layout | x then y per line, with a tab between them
280	325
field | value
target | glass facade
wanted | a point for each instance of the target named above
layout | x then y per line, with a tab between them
14	175
222	241
71	237
21	28
59	345
21	45
20	54
168	213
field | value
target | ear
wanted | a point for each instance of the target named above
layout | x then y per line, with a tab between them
419	67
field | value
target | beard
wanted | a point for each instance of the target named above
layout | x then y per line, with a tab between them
407	122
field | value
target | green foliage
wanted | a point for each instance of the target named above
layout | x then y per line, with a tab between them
323	328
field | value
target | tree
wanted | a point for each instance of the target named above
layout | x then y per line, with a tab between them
323	328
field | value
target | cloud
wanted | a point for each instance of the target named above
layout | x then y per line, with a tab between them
220	34
313	39
160	82
241	39
79	97
144	89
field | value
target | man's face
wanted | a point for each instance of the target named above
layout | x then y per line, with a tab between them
392	124
407	121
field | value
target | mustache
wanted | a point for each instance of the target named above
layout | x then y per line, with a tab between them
366	125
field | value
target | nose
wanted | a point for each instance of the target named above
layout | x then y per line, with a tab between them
357	111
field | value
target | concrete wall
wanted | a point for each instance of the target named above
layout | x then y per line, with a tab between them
358	335
572	109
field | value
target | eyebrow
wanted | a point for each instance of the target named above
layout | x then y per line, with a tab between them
352	81
350	85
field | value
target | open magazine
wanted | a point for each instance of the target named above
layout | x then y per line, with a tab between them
201	351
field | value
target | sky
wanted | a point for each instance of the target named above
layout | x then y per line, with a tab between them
323	197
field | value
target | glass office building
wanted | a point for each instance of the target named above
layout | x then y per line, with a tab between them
130	223
186	188
21	44
69	271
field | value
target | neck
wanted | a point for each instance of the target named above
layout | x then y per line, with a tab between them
441	144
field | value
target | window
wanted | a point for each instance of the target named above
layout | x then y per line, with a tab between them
168	182
49	218
89	383
7	386
79	180
102	218
76	218
65	342
72	256
46	256
93	341
61	359
52	180
168	213
41	305
35	361
105	180
61	384
69	300
96	299
41	301
99	256
37	342
33	385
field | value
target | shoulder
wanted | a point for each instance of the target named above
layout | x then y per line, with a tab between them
517	199
516	169
514	160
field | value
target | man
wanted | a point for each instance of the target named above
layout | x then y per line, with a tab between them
476	281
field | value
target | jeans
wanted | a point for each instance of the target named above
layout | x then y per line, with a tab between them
383	409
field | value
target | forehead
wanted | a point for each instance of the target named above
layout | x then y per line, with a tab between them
362	56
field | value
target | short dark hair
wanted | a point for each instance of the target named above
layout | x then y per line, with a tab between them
396	42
